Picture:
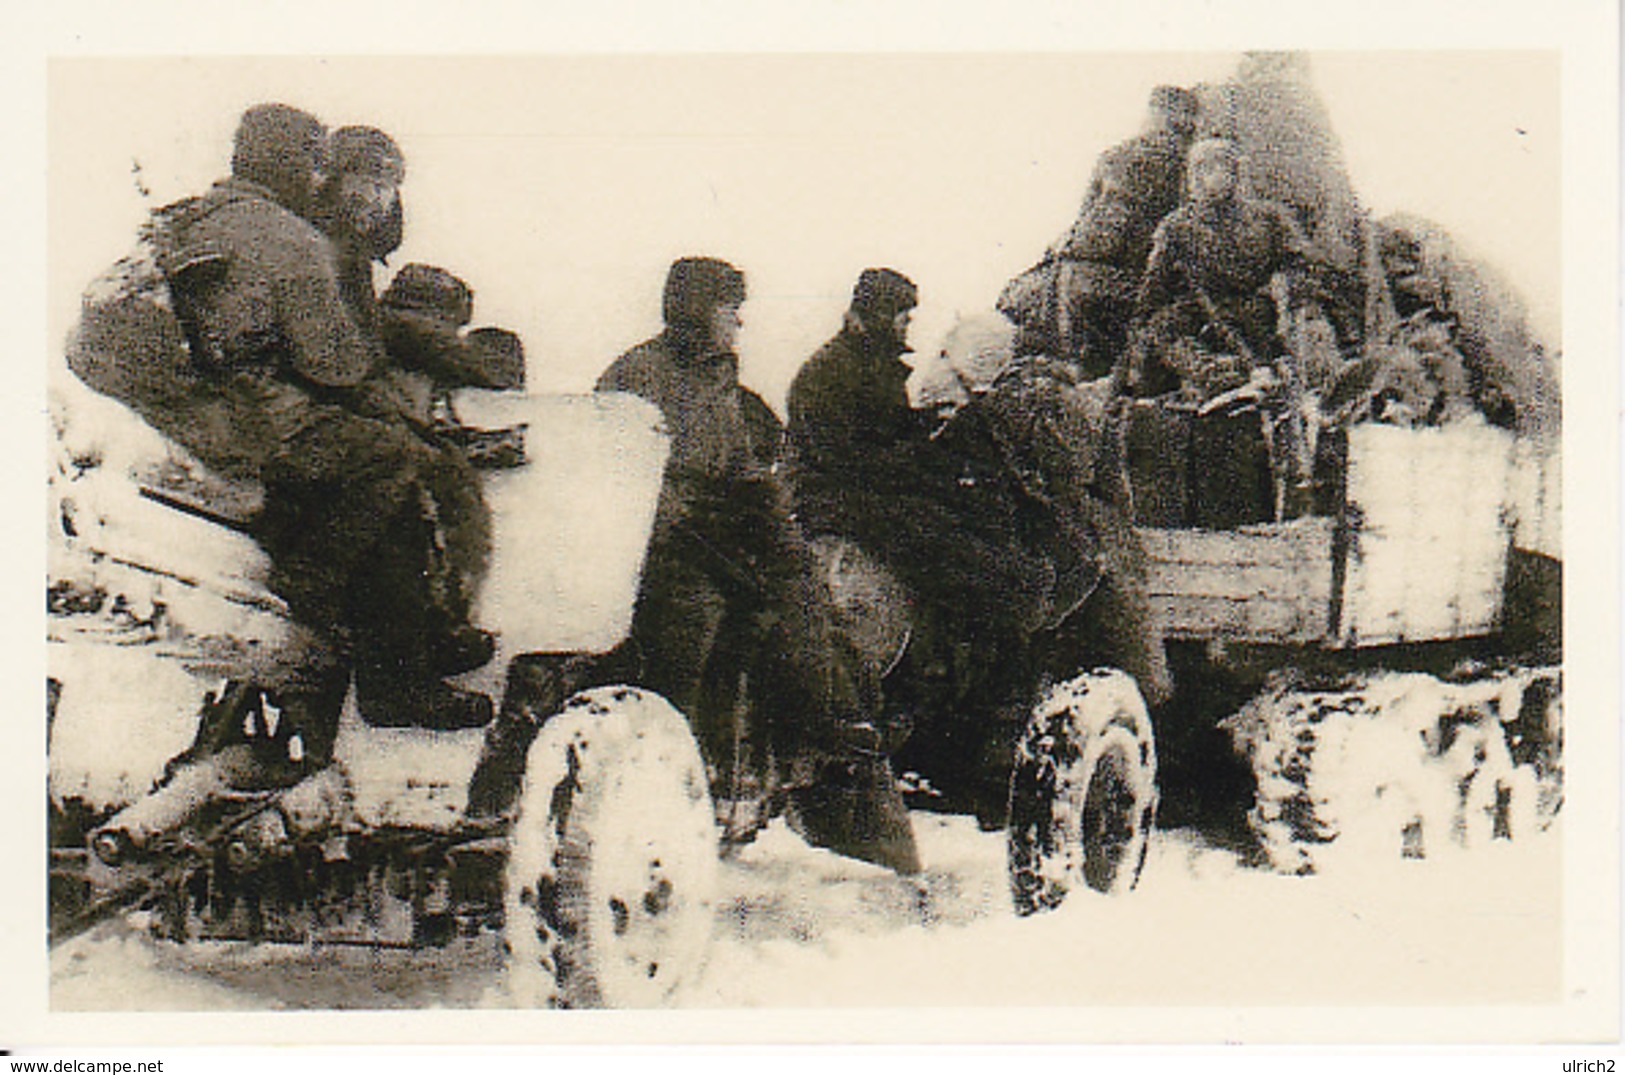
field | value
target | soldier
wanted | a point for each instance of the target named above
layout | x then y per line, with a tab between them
724	437
359	208
1038	440
418	355
864	468
1205	301
256	289
1092	271
1222	270
853	437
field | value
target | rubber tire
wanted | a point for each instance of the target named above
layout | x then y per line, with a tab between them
1083	795
612	860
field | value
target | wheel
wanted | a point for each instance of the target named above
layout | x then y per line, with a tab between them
1082	792
612	857
1401	762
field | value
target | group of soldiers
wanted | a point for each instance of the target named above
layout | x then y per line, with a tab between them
999	520
996	521
295	377
1164	279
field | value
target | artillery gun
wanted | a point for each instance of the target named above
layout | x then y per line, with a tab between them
583	825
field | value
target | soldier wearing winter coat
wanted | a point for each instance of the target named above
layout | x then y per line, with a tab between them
409	636
1034	445
1224	269
865	468
724	438
256	288
1205	306
853	437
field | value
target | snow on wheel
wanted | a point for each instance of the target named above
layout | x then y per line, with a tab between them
612	857
1401	763
1082	792
1534	730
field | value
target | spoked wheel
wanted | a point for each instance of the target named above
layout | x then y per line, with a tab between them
1082	792
612	857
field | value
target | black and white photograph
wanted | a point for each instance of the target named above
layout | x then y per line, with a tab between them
715	533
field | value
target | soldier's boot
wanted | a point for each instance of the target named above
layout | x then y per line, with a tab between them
855	808
460	648
538	684
453	645
415	635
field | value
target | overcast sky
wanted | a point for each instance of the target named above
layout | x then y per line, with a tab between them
561	187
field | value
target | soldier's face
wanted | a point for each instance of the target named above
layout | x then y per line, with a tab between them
1182	120
371	206
900	323
1213	178
725	326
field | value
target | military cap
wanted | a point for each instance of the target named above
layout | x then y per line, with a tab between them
883	294
279	147
697	286
365	151
1173	100
429	289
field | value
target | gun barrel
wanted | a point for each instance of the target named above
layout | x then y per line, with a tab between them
166	809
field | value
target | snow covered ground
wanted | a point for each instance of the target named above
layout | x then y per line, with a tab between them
802	928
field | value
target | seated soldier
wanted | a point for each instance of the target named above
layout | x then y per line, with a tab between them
408	634
859	452
1078	302
421	317
1207	317
1022	480
852	433
1207	328
278	360
866	467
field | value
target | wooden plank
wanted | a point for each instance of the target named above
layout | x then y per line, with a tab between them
1257	620
1266	583
1267	543
1240	582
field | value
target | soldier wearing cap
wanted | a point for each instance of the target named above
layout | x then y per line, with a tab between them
863	465
359	208
1206	327
852	431
413	635
717	544
1205	301
724	437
